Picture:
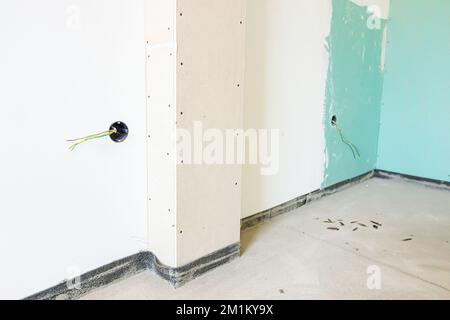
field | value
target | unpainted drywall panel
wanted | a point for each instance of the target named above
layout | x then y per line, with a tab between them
285	78
161	119
414	133
68	69
210	39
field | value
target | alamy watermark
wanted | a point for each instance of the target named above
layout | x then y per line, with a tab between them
201	146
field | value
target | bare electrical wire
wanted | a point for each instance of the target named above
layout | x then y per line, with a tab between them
77	142
355	151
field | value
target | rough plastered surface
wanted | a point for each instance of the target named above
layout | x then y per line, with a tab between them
354	89
295	256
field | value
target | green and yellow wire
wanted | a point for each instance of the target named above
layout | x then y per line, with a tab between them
77	142
352	147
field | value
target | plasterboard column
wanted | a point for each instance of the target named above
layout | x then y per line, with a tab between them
210	78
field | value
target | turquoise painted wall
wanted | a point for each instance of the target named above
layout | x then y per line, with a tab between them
353	94
415	116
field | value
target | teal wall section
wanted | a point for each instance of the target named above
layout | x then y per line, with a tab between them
415	116
354	90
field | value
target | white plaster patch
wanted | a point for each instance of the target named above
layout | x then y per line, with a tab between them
384	48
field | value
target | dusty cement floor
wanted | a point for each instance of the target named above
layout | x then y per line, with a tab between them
296	256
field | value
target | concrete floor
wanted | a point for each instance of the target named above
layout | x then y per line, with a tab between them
296	256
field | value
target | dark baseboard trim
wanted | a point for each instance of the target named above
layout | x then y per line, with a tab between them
182	275
300	201
383	174
97	278
135	264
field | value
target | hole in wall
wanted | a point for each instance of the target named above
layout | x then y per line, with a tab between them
121	132
334	120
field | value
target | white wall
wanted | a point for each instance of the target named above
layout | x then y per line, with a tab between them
285	78
62	209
